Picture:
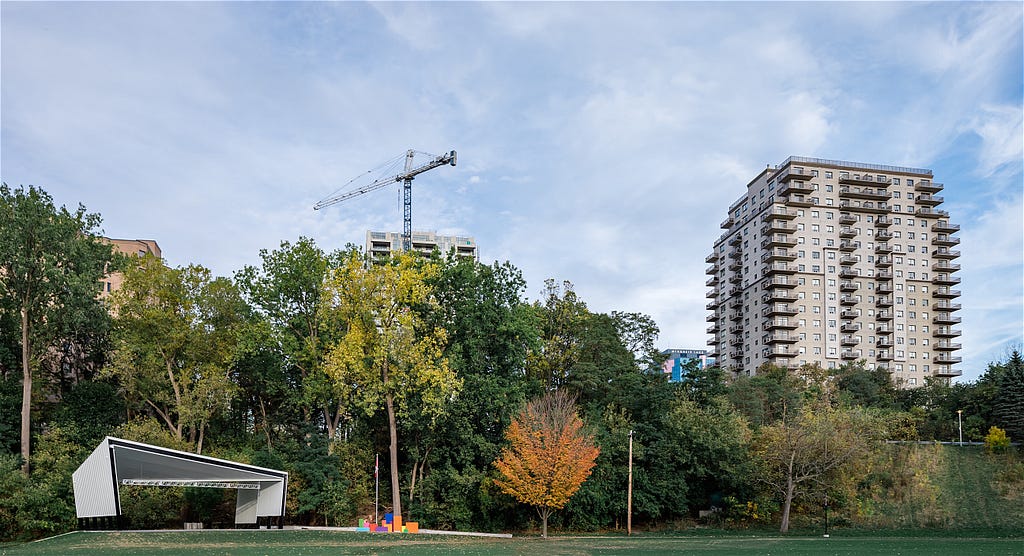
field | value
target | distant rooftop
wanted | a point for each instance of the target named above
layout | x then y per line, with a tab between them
856	165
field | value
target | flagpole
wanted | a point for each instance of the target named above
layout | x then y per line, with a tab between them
376	488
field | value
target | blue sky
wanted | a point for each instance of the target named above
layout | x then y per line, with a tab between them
599	143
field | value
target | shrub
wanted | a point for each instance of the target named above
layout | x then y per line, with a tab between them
996	441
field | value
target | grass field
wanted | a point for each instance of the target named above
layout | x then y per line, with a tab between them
300	542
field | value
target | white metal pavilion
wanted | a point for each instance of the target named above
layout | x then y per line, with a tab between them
116	462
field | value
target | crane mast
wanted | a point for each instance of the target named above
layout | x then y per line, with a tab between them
406	176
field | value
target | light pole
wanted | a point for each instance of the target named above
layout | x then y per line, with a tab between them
629	490
960	425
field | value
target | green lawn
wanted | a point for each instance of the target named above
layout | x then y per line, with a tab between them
327	542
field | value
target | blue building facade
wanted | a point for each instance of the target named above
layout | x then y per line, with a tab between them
676	361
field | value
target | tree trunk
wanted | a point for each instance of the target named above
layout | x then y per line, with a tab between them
544	513
396	492
26	393
788	501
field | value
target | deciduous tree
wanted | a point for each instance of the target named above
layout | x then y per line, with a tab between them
387	354
549	456
51	262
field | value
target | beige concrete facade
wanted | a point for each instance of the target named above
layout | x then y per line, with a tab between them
133	247
381	244
831	262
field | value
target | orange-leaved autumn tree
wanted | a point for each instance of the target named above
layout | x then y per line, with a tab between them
549	457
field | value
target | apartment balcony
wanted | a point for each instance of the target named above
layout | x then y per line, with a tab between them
850	327
865	206
883	275
736	303
735	265
883	235
736	342
945	280
776	255
735	278
736	329
946	332
736	316
782	295
944	371
927	212
712	342
797	201
866	193
847	245
713	352
884	343
884	355
944	253
883	261
713	293
735	241
777	226
930	200
883	222
711	258
883	249
847	272
849	286
728	222
780	213
849	341
848	314
945	240
884	301
946	306
883	288
785	324
849	259
796	188
946	318
713	329
712	305
847	232
781	268
713	317
779	309
735	290
778	240
926	186
847	300
884	329
782	351
711	281
945	266
848	355
795	174
847	219
947	359
946	346
779	282
863	179
884	315
783	338
736	356
944	227
945	292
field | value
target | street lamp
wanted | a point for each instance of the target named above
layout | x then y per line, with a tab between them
629	492
960	425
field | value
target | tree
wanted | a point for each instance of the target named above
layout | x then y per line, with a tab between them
821	444
561	317
287	292
51	262
176	340
387	353
549	457
1009	405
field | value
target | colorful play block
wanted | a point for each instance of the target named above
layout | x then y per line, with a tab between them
412	526
396	523
362	529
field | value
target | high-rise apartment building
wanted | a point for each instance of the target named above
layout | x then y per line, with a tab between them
381	244
831	262
131	247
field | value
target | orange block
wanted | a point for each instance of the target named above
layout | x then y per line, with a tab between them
396	523
413	526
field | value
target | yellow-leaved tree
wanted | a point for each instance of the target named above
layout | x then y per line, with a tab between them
387	354
549	457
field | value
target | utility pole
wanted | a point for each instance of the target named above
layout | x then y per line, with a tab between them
629	490
960	425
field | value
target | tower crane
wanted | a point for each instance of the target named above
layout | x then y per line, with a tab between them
406	177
